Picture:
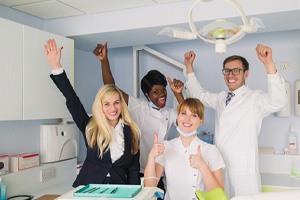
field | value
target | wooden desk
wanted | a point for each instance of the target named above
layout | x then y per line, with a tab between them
48	197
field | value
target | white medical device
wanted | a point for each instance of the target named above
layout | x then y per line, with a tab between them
58	142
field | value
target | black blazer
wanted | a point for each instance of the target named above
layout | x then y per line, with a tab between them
125	170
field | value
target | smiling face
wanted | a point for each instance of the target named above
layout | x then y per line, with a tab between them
187	120
158	95
112	108
232	81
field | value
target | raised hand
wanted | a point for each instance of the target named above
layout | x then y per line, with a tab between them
53	54
189	58
196	160
175	85
101	51
158	148
264	53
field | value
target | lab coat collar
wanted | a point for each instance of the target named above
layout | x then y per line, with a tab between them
156	113
240	90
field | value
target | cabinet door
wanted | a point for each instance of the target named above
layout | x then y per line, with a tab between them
11	70
41	98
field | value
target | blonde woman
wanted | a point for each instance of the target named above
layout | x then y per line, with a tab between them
189	163
110	135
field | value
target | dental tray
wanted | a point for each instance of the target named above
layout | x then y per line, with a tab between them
108	190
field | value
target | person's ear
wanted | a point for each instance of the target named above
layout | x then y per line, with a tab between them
201	122
246	74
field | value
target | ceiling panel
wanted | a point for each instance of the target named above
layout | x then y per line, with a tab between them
49	9
92	6
10	3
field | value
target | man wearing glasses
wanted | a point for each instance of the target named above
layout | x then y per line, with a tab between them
239	113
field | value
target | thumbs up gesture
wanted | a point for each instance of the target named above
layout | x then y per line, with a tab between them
158	148
175	85
196	160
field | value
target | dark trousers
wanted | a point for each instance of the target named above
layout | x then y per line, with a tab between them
160	184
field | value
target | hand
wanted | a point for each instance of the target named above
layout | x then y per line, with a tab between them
196	161
53	54
158	148
101	51
175	85
189	58
264	54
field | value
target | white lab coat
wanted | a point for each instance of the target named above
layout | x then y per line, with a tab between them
237	127
150	121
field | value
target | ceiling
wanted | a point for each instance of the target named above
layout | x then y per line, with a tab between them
74	13
50	9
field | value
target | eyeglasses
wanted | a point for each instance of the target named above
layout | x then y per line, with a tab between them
234	71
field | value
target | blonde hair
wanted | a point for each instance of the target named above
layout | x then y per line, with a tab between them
99	131
195	106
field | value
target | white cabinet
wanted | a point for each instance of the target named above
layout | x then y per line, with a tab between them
41	97
11	68
27	92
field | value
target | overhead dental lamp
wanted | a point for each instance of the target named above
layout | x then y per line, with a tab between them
219	32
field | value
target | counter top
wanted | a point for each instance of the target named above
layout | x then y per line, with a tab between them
280	180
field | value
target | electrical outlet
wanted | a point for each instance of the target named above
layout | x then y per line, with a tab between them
47	174
285	66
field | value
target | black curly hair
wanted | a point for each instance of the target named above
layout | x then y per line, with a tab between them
153	77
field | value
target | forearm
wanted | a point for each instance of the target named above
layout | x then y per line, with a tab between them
107	76
150	176
189	68
179	97
270	68
276	98
73	102
212	180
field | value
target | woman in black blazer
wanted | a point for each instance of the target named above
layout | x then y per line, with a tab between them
110	135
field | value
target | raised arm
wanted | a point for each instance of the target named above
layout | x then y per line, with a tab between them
189	58
153	170
62	82
264	54
101	53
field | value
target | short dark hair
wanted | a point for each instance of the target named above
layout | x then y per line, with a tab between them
153	77
236	57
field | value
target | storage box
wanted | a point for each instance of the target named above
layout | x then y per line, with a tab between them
4	159
23	161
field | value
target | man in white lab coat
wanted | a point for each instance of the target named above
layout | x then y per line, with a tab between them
239	116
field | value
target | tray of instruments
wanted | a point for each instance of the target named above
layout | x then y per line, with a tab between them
108	190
